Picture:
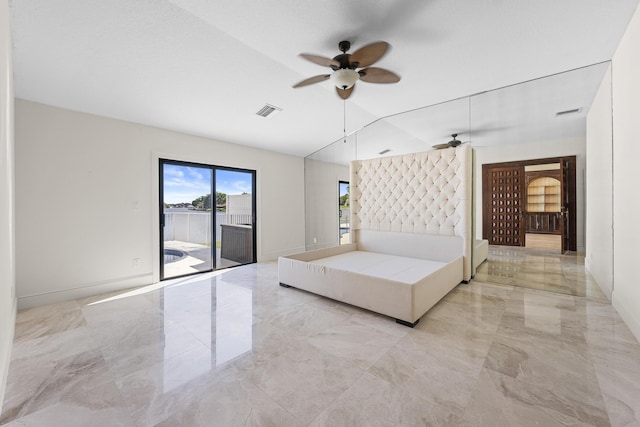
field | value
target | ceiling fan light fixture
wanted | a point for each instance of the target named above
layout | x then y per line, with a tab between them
345	67
344	78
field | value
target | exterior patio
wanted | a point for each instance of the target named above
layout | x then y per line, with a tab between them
188	239
196	259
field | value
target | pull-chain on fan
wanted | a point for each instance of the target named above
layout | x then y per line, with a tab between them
349	68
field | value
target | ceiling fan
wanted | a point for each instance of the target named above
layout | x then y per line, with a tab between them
453	143
348	68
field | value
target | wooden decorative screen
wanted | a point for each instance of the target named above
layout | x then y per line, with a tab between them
502	196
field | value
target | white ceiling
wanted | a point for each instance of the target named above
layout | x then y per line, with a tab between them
518	114
205	67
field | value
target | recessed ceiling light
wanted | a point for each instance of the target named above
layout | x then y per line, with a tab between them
268	110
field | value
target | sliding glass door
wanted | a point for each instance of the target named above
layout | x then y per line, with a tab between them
235	216
344	212
207	218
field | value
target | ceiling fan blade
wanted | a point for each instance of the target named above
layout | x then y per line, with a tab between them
441	146
378	75
345	93
320	60
369	54
312	80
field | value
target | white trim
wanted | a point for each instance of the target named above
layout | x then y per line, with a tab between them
6	357
84	291
155	215
273	256
603	286
627	313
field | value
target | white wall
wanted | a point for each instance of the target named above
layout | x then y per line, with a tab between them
571	147
321	181
626	173
599	189
7	249
87	200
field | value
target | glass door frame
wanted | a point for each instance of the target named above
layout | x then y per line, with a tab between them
340	184
213	224
164	162
253	208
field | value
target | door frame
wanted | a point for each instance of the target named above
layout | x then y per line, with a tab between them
254	207
162	162
569	196
340	182
532	176
160	217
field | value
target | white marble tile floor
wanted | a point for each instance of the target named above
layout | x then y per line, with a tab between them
234	348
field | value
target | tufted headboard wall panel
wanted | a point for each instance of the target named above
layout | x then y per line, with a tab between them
425	193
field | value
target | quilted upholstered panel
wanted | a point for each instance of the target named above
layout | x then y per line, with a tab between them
427	192
417	193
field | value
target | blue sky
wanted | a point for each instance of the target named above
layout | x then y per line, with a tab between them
343	188
183	184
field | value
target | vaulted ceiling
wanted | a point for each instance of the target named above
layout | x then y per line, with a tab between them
206	67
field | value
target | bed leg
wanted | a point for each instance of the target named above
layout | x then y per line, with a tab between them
284	285
405	323
466	282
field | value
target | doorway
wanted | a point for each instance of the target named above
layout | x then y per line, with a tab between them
543	221
530	203
207	218
344	212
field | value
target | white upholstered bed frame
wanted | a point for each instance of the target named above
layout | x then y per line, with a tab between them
412	236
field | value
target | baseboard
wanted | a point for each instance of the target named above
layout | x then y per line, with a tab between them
84	291
603	287
628	314
316	246
5	354
272	256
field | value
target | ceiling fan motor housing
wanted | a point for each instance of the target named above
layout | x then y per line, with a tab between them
343	60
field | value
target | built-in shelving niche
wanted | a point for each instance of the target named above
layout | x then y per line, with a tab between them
544	195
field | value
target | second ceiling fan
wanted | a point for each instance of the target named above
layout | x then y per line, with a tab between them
349	68
451	144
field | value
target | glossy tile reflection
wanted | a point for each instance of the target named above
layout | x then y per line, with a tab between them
537	269
234	347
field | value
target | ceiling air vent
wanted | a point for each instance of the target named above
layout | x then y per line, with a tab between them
564	113
384	151
268	110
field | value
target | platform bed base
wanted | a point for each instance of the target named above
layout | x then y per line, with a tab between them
405	323
399	321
